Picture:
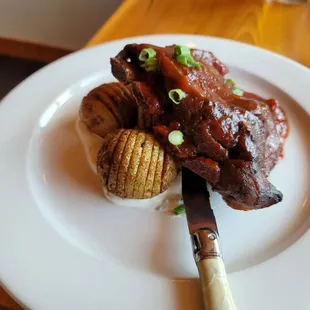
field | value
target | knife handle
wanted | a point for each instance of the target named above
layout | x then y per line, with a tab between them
214	284
213	278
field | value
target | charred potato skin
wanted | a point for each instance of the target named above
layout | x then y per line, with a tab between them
132	164
109	107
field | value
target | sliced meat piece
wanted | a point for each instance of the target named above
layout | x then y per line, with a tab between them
242	185
232	141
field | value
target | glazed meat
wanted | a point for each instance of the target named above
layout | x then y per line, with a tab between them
233	141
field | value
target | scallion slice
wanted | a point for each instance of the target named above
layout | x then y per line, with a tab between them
184	57
188	61
179	210
146	54
150	65
176	95
237	91
230	81
175	137
182	50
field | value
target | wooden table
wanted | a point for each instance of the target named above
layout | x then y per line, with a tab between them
284	29
281	28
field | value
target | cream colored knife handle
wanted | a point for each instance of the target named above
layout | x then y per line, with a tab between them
214	284
213	278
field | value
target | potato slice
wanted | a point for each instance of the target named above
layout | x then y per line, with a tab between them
109	107
158	172
124	163
124	102
100	94
143	169
97	117
105	155
132	164
169	172
117	158
152	169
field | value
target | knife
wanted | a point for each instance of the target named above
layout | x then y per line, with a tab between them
205	242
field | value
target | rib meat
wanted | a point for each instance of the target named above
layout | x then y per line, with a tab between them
231	141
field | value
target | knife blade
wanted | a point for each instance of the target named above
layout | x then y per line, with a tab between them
205	242
196	200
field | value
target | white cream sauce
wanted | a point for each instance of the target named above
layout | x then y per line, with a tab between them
165	202
91	143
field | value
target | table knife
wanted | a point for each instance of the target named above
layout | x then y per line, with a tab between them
205	242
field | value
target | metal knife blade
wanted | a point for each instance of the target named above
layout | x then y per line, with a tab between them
197	202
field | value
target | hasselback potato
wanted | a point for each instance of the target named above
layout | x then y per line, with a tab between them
132	164
109	107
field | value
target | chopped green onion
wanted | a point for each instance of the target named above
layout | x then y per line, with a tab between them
237	91
175	137
179	210
188	61
176	95
150	65
146	54
184	57
230	81
182	50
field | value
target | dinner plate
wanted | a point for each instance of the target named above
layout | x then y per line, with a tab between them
64	246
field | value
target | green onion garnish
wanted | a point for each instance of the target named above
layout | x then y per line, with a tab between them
188	61
176	95
237	91
175	137
182	50
179	210
150	65
184	57
146	54
230	81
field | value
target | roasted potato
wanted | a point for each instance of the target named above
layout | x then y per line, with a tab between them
109	107
132	164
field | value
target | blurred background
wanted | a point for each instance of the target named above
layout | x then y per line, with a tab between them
66	24
36	32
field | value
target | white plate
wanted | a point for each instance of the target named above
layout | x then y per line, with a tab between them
63	246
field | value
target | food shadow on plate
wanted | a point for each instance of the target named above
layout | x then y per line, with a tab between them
162	255
167	259
73	162
170	254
